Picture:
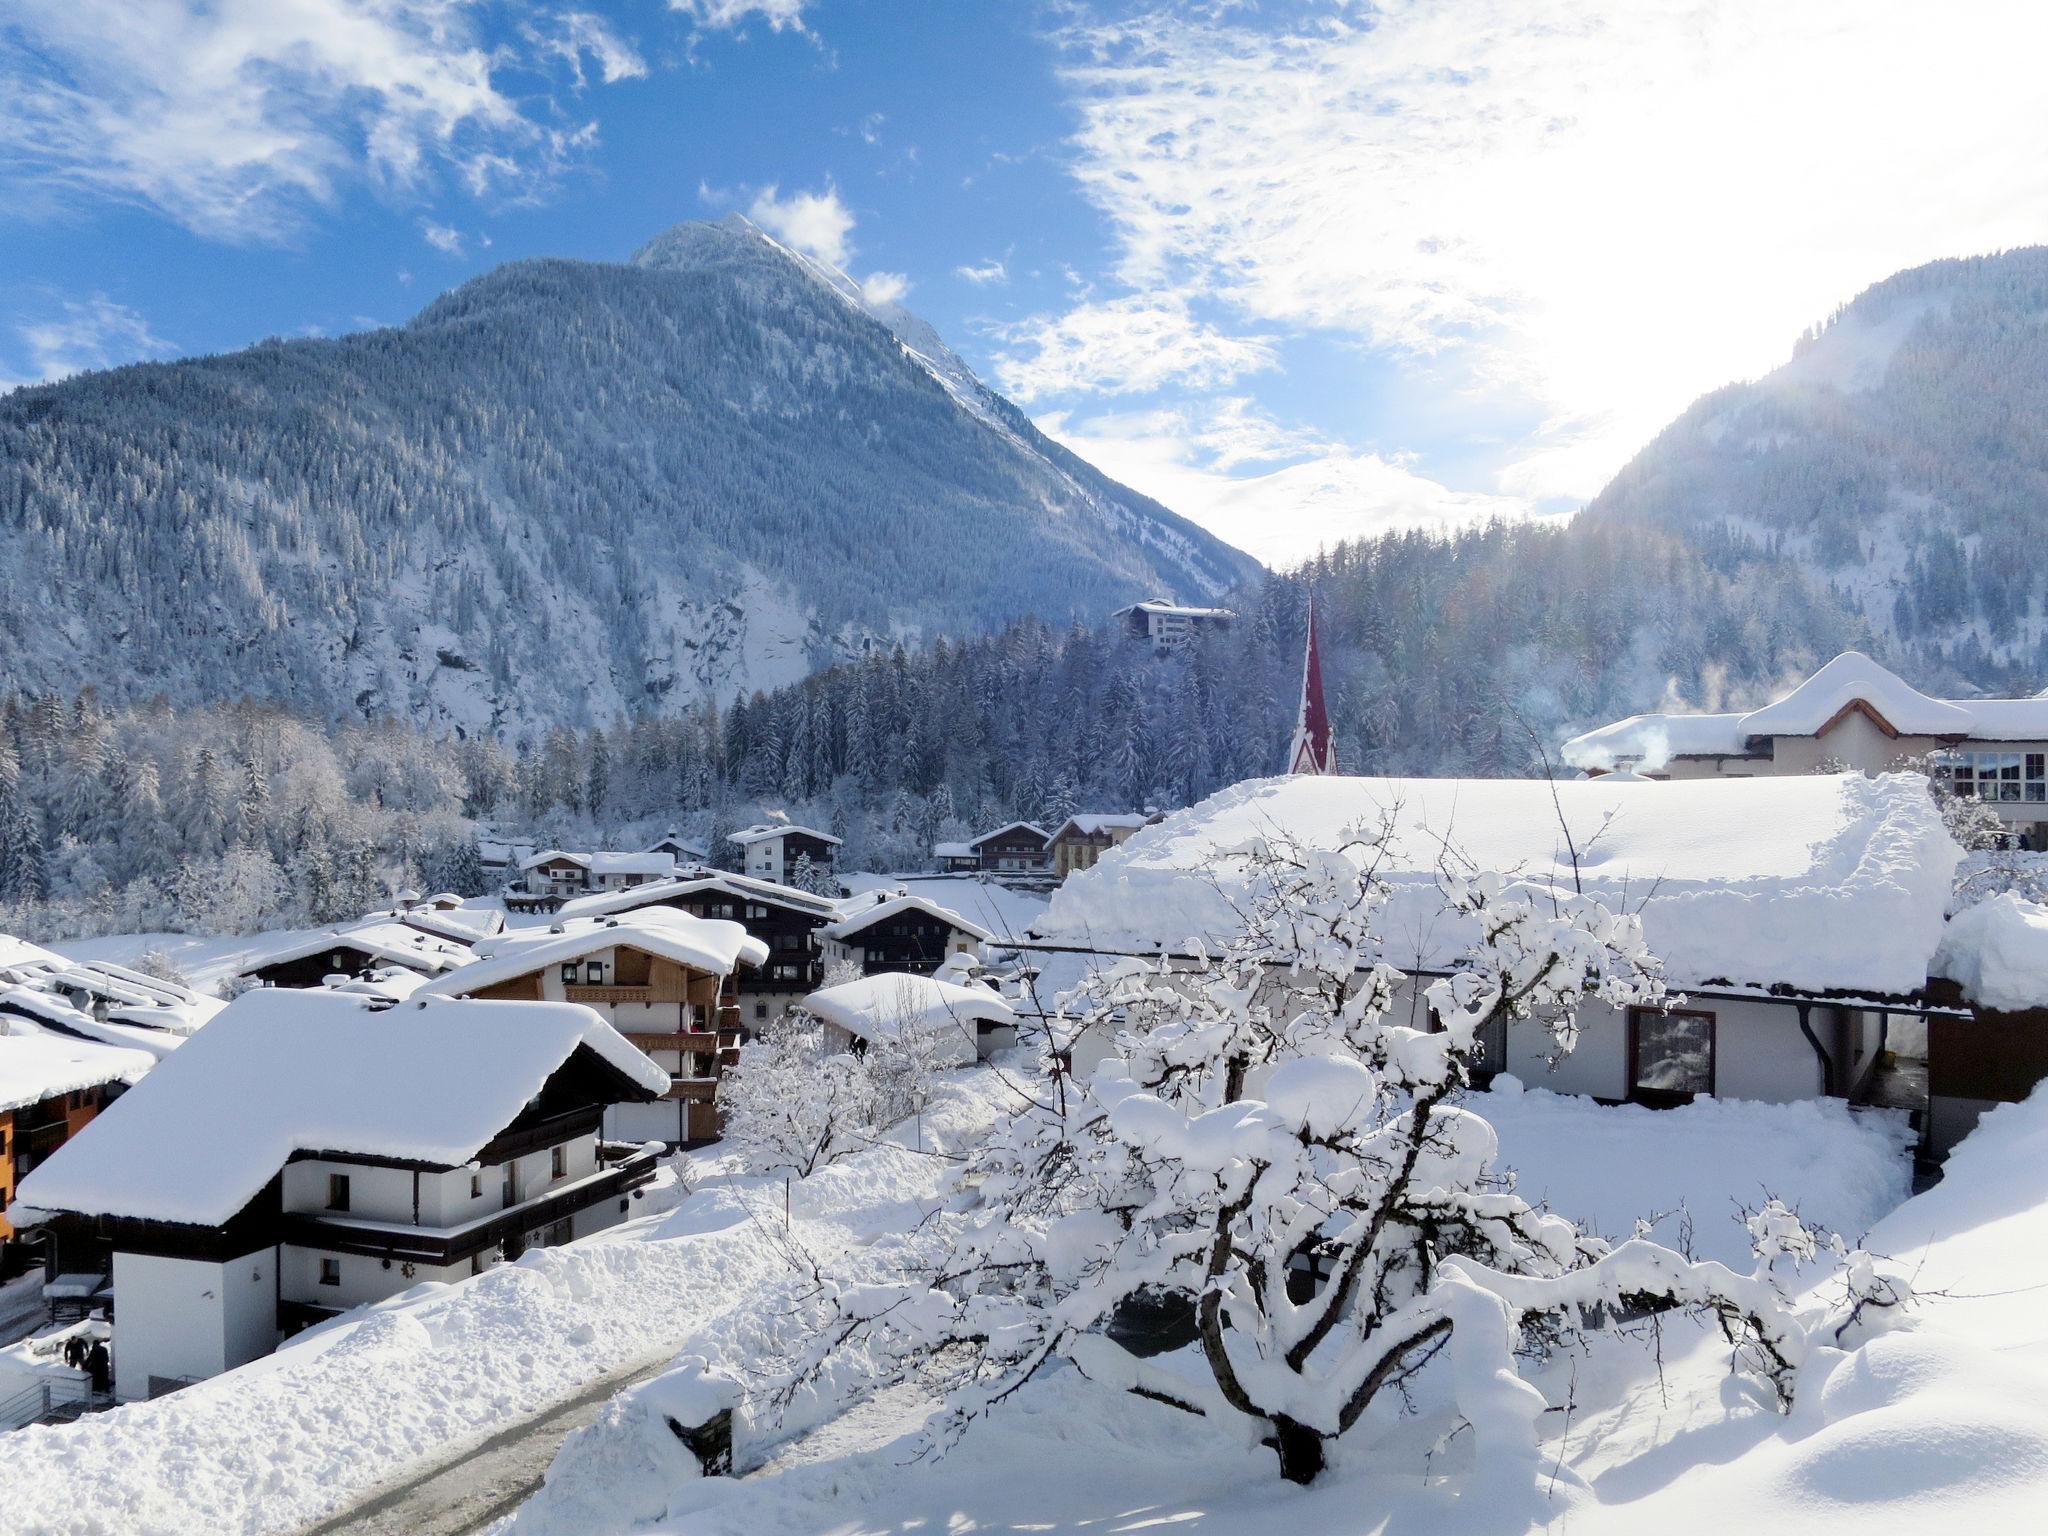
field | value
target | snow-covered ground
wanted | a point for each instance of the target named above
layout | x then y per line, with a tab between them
1068	1456
381	1393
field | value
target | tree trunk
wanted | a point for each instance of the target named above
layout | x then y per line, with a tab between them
1300	1448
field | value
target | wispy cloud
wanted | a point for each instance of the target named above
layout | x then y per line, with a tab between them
1596	209
885	287
1192	458
816	223
730	15
575	35
441	237
1123	346
990	271
94	332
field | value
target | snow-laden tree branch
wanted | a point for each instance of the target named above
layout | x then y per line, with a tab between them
1276	1156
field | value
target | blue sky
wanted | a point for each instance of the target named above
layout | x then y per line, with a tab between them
1301	270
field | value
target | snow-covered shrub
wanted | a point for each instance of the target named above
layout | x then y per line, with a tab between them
154	962
1294	1169
792	1104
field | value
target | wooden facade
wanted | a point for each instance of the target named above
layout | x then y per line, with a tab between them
29	1133
912	940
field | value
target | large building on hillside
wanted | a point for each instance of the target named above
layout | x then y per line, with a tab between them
780	852
1852	713
1086	835
1164	622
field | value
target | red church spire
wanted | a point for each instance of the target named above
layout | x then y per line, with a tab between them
1314	751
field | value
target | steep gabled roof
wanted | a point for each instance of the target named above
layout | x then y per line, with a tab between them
747	836
861	918
284	1070
1092	823
707	944
1032	827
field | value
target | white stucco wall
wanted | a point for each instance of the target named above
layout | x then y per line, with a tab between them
190	1317
663	1120
363	1278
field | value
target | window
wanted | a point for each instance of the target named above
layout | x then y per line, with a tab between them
593	973
330	1271
569	974
2006	776
755	910
337	1191
476	1186
1671	1055
558	1161
760	1010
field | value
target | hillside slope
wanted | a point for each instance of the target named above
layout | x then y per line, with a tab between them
564	492
1901	457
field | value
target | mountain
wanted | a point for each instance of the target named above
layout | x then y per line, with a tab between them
1900	457
563	493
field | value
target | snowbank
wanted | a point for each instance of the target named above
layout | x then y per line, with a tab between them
1998	952
1815	882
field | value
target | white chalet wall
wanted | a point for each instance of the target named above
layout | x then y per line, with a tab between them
190	1317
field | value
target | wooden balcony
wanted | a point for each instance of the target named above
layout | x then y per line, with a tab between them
624	994
687	1040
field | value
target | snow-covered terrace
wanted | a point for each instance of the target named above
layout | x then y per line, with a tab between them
1818	885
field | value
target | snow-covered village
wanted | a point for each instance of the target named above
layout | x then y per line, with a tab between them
793	767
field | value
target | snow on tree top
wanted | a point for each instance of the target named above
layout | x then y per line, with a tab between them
1850	680
1998	952
38	1064
712	944
283	1071
1812	882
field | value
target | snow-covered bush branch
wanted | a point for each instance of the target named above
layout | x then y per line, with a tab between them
1276	1156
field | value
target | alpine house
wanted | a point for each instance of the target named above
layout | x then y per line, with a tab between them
1794	917
310	1151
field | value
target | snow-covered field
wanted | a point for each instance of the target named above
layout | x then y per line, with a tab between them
1069	1456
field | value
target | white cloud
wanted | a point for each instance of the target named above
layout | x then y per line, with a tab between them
441	237
730	14
1602	210
990	271
1188	460
816	223
238	117
86	333
1123	346
575	34
884	287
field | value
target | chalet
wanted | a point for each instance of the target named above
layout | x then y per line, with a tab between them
665	980
959	1021
956	858
1017	849
1083	837
354	951
308	1152
778	850
501	861
1794	917
1163	622
895	931
783	918
683	850
557	872
1852	713
51	1085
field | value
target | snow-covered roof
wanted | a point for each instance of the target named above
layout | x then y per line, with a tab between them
882	906
1016	826
284	1070
1997	951
19	952
673	841
1094	823
953	851
465	925
157	1038
606	862
1167	608
1850	681
37	1064
879	1008
702	943
1813	882
740	887
381	939
768	829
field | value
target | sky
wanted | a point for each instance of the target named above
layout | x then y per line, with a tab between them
1302	271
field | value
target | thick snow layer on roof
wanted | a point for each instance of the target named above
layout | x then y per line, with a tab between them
1171	610
1998	952
862	917
1854	678
1093	823
1016	826
37	1064
880	1008
739	887
702	943
1815	882
768	829
381	940
1851	678
631	863
284	1070
15	953
953	850
30	1001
